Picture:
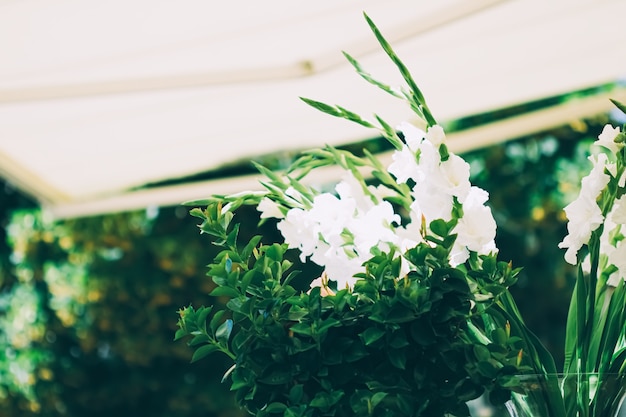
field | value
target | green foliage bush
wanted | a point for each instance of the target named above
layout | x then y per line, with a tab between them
106	290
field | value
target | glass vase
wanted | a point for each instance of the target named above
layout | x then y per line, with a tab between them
585	395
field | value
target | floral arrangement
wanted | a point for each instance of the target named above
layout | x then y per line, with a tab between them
411	314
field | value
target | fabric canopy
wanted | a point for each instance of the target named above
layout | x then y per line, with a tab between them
100	98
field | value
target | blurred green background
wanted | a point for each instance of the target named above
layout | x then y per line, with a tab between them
88	306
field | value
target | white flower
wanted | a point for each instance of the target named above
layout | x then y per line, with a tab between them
434	195
476	230
331	215
436	135
409	236
269	209
339	231
351	188
374	226
618	213
339	268
584	214
593	184
607	139
404	165
417	158
453	177
458	255
584	217
429	158
432	203
413	135
299	232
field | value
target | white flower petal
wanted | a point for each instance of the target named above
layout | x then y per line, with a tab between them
413	135
269	209
404	166
592	185
584	217
436	135
606	139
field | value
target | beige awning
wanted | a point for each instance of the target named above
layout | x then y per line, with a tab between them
100	98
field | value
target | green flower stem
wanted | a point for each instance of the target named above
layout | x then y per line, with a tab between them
416	97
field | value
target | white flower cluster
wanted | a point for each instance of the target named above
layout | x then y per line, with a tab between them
438	185
585	214
341	229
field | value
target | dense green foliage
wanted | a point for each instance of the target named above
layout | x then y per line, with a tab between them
384	348
96	298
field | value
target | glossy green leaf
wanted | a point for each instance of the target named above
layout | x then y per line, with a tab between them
275	408
371	335
295	393
202	352
224	292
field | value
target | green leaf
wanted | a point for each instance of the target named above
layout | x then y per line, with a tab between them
247	279
371	334
613	327
203	351
481	353
337	112
397	357
327	324
202	314
439	227
294	412
291	275
295	393
377	398
199	339
301	328
267	173
324	400
323	107
216	320
619	105
356	352
347	114
444	154
489	264
225	292
418	97
196	212
499	336
367	77
276	377
198	202
180	333
423	333
275	408
487	369
275	252
398	340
